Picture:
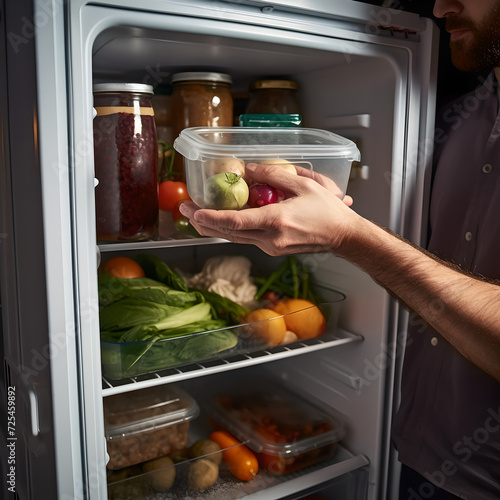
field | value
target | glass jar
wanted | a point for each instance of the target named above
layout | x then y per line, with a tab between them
273	97
126	162
199	99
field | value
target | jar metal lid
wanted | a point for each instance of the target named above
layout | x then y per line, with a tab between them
123	87
201	76
275	84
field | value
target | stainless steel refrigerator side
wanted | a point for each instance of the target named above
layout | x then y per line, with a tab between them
67	332
415	214
36	305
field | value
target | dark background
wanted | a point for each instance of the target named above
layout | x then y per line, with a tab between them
451	82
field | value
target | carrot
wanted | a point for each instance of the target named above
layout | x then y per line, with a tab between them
242	462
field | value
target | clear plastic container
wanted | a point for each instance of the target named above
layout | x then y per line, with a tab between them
211	151
287	432
147	424
126	162
130	359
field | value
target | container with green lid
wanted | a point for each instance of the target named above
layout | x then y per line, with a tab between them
273	103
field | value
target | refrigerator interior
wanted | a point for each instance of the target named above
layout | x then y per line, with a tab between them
359	84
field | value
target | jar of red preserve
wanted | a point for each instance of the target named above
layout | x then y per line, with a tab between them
126	162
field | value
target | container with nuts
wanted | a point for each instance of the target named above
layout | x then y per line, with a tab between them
147	424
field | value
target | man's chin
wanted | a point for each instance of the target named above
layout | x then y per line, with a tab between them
463	60
462	64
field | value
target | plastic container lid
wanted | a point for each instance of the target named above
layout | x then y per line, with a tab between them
147	409
123	87
256	416
257	142
201	76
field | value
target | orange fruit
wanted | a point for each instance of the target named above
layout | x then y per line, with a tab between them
302	317
266	325
122	267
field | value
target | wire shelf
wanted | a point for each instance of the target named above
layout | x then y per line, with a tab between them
341	337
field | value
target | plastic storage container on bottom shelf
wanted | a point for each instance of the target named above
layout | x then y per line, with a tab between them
350	486
291	442
147	424
287	432
172	482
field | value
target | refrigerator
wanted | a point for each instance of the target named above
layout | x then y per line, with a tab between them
365	72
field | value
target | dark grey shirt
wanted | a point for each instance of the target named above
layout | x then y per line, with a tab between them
448	425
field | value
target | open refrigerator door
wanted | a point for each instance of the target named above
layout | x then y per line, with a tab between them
364	73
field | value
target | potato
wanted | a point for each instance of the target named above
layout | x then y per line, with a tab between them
126	483
206	447
179	455
160	473
202	474
285	164
221	165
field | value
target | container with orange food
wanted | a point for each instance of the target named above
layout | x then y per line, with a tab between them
286	432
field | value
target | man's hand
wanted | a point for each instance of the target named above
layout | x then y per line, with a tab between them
311	218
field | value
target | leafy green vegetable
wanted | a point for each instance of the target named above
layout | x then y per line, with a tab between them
137	319
157	269
120	360
225	308
159	321
290	279
112	289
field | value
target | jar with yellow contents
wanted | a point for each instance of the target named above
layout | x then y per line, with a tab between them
199	99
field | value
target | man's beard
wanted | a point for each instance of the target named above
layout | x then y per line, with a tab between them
483	50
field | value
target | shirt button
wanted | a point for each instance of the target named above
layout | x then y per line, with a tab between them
434	341
468	236
487	168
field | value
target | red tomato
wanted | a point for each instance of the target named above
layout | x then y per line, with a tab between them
170	192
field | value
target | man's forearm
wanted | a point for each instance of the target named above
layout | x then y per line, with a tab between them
464	309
